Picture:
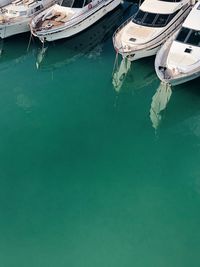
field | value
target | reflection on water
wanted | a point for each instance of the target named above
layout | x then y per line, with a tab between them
1	47
41	55
120	72
121	69
134	77
159	103
88	43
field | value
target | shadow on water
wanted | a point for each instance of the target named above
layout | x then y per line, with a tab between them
184	105
90	40
192	86
15	49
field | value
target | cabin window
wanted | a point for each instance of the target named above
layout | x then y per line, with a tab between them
149	18
161	20
153	19
139	16
78	3
189	36
194	38
183	33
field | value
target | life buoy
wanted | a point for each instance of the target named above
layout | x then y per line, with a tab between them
89	6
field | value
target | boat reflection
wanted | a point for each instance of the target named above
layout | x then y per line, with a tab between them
159	104
51	56
134	77
120	72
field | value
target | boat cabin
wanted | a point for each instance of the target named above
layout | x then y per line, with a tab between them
153	19
190	31
158	13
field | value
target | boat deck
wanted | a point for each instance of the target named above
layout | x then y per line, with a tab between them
48	23
56	20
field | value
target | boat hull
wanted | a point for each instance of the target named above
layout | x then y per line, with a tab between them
79	27
167	74
141	53
10	29
183	79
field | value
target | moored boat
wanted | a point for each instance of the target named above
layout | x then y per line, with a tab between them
70	18
178	61
15	17
156	20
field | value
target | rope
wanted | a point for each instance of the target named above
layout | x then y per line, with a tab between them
29	42
115	64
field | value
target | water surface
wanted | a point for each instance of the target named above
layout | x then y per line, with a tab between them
90	176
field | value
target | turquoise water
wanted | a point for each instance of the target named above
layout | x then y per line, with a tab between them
90	176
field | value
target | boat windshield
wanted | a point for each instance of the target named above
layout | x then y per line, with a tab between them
189	36
67	3
80	3
152	19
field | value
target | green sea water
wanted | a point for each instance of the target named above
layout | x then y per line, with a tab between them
91	176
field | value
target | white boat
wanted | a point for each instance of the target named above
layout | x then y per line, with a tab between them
69	19
178	61
156	20
15	17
